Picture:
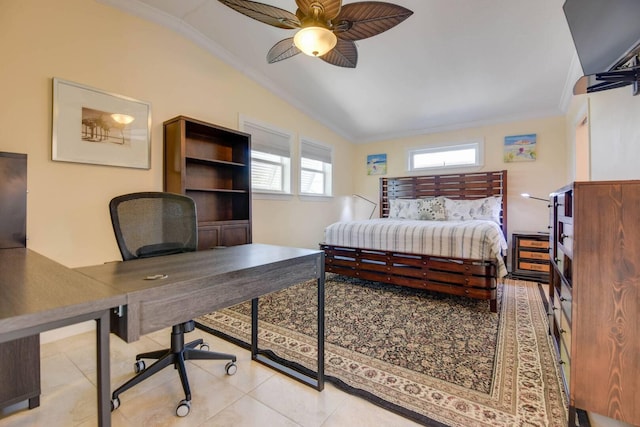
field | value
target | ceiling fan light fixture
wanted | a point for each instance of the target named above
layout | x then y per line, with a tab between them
315	41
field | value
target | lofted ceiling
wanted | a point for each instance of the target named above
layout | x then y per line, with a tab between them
452	64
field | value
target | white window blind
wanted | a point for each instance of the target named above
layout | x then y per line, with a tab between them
268	140
315	168
270	158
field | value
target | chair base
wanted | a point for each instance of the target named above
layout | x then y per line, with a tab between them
176	356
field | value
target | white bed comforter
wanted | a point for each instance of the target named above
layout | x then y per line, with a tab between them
475	239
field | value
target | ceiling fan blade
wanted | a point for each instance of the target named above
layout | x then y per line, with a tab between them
331	7
345	54
265	13
365	19
282	50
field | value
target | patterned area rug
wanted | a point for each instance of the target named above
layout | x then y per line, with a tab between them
436	359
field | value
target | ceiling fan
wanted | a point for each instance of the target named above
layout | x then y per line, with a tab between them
326	28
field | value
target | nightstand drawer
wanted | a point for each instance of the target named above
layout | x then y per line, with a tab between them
534	255
541	244
543	268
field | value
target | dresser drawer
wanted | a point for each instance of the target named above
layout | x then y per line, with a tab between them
565	236
565	330
565	364
557	309
565	301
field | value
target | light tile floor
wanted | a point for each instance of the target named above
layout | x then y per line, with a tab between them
255	396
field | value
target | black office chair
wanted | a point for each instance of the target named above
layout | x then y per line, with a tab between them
150	224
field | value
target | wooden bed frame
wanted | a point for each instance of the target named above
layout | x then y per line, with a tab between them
457	276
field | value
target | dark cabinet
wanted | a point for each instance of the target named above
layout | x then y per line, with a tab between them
20	371
212	165
19	359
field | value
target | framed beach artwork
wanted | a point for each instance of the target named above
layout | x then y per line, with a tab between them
520	148
376	164
96	127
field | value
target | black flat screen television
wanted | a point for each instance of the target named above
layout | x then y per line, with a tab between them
606	33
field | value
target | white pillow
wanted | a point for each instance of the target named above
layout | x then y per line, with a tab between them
422	209
487	208
403	208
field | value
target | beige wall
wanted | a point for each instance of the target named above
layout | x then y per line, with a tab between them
538	178
89	43
96	45
578	109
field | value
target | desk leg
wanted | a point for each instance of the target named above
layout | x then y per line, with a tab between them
321	331
254	328
318	382
103	370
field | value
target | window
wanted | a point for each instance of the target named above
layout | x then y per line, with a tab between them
270	158
315	168
446	156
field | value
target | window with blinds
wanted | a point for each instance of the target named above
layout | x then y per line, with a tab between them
270	158
315	168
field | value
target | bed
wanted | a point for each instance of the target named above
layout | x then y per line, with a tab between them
393	257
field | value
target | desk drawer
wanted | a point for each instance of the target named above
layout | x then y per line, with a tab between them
172	304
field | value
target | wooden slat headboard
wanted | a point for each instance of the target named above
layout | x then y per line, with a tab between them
454	186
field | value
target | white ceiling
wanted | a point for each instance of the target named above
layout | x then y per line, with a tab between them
452	64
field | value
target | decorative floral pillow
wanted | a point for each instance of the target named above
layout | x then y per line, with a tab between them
432	209
423	209
487	208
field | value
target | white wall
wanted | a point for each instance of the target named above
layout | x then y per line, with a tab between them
615	134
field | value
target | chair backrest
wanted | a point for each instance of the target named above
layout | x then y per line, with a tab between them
152	224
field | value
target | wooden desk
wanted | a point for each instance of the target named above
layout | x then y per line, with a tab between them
38	294
198	283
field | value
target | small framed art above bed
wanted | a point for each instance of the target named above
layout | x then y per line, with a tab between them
444	233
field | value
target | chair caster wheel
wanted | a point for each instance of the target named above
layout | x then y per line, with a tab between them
139	366
204	346
115	404
183	408
231	368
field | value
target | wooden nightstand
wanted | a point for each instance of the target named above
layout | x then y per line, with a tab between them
530	257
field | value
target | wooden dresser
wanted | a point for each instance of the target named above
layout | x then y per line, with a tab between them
595	294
